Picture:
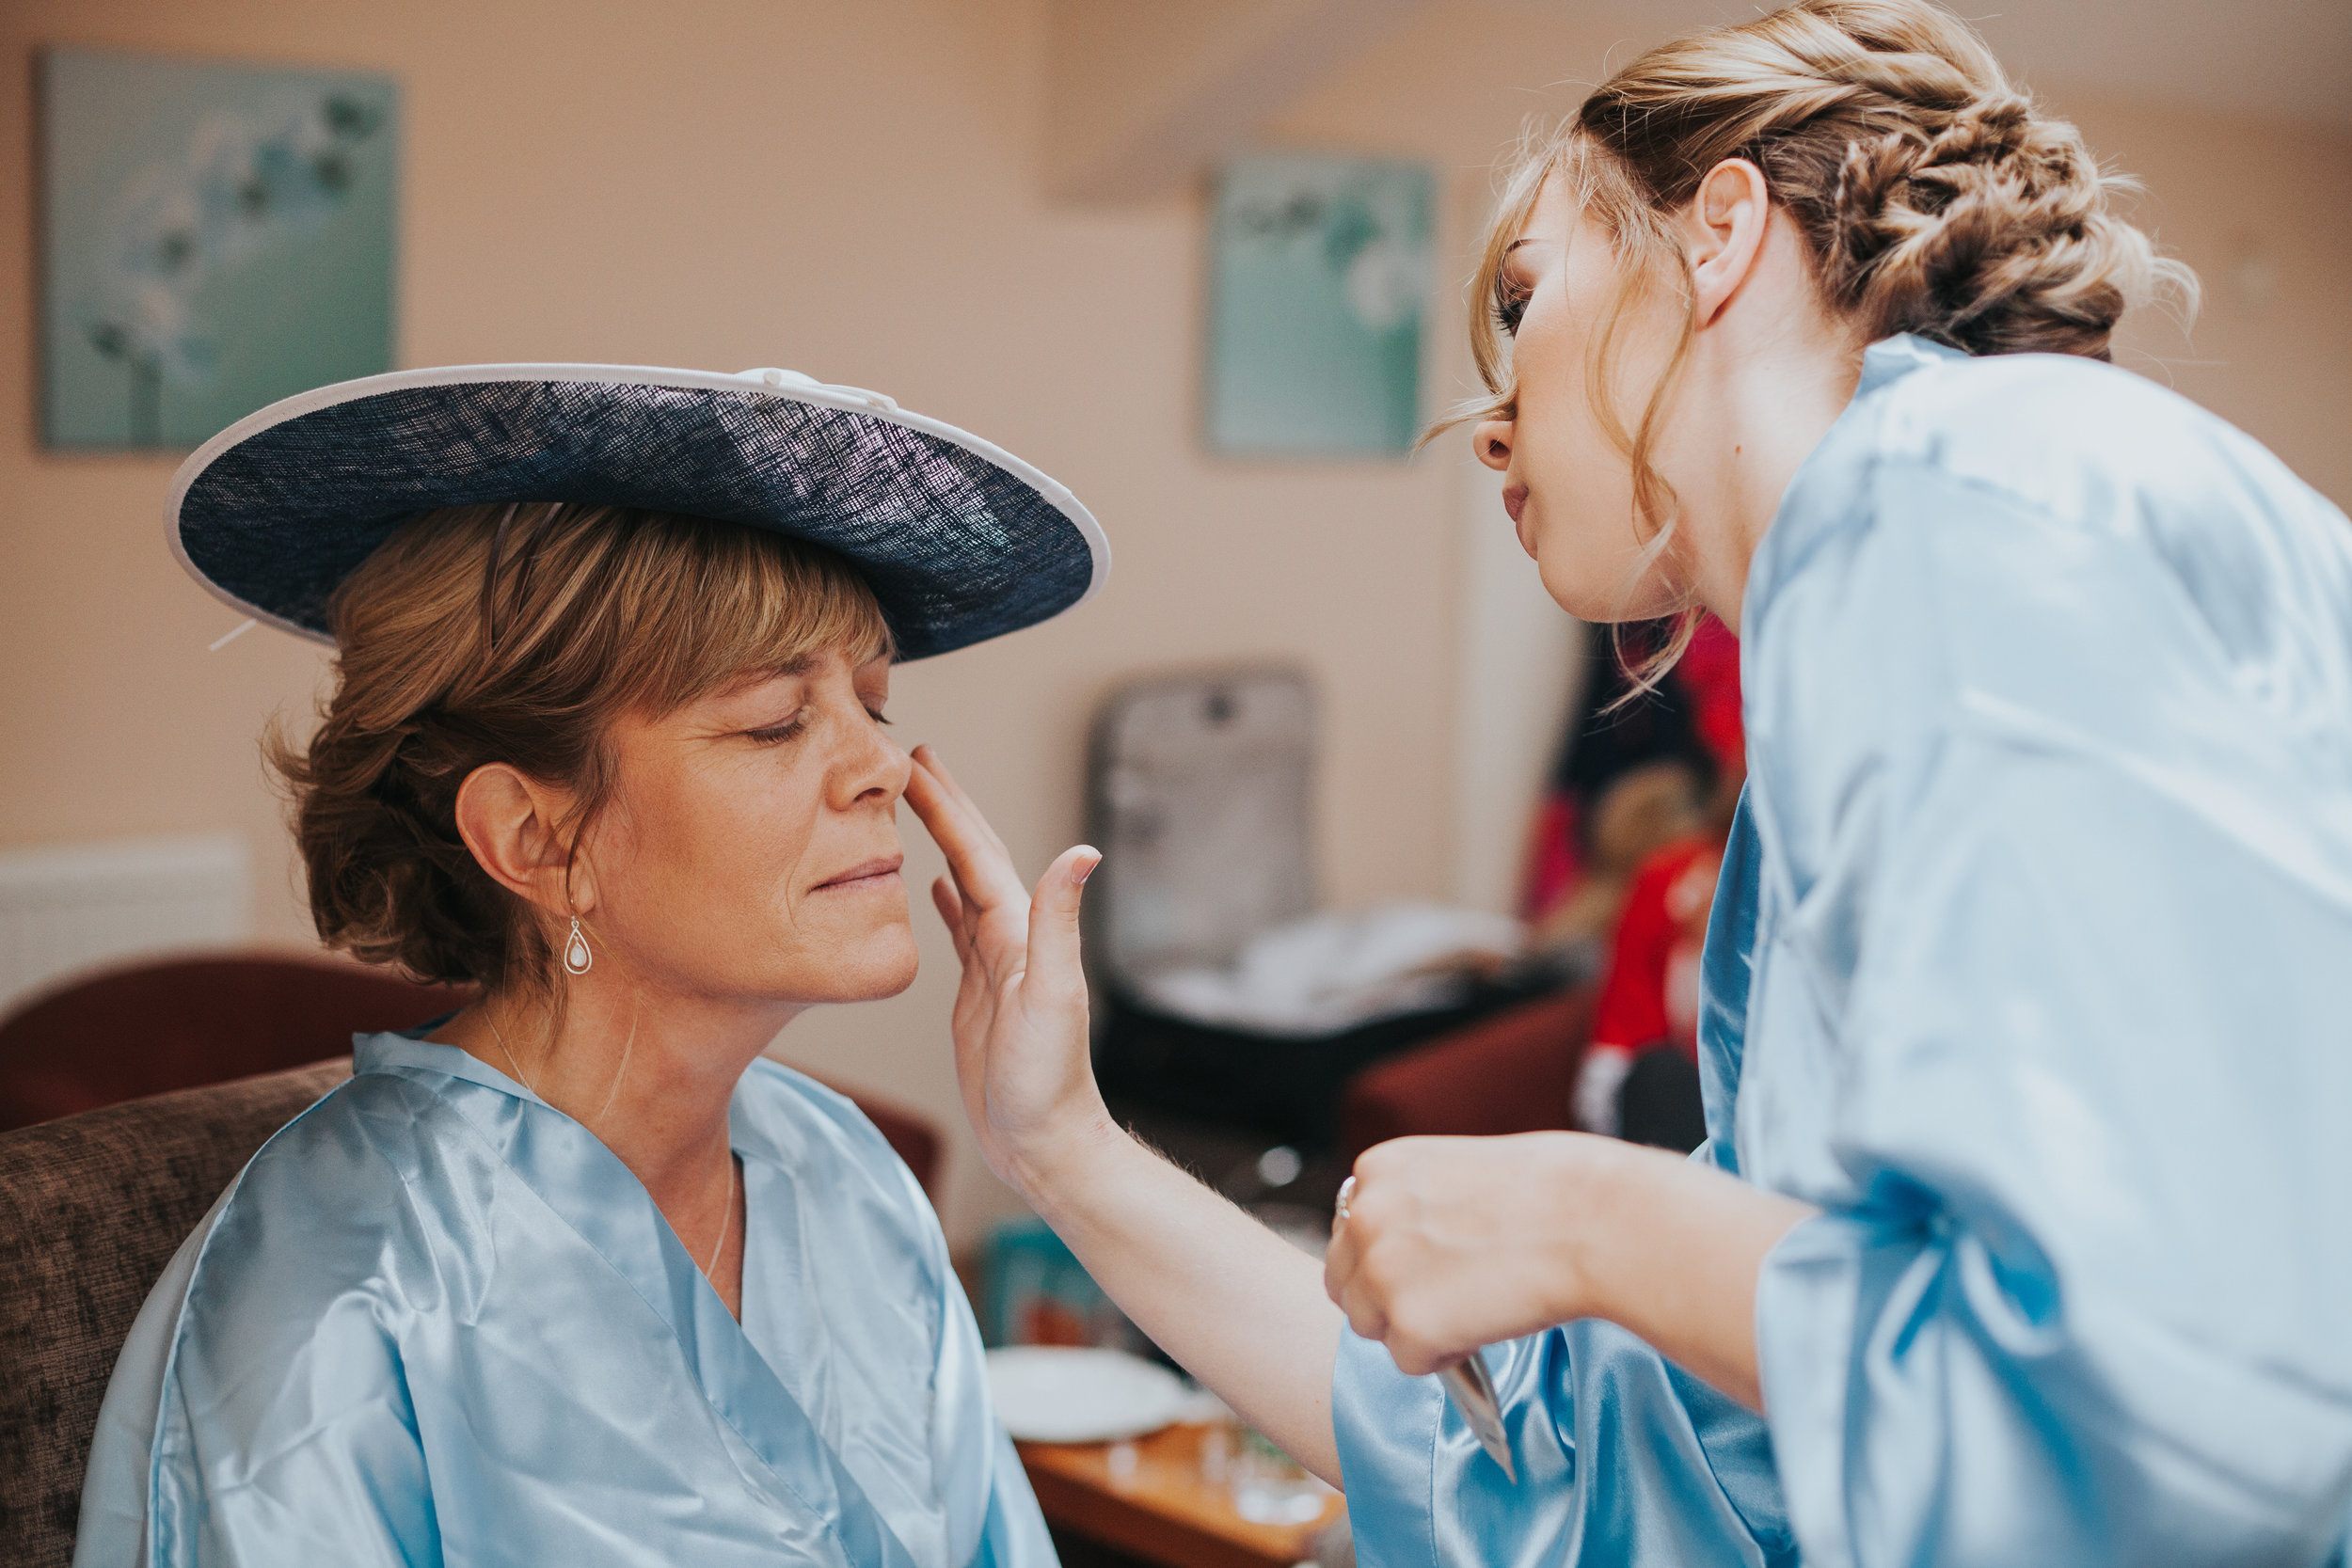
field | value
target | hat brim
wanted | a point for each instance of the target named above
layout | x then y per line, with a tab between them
960	541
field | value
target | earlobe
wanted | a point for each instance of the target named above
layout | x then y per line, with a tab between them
579	883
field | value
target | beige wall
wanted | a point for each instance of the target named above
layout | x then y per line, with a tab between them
851	190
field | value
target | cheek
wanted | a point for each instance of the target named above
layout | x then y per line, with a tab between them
759	843
1559	440
721	849
1580	484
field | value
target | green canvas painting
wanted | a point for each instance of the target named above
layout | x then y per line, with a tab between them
1321	272
214	237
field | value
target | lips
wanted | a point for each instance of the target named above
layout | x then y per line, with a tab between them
876	871
1515	502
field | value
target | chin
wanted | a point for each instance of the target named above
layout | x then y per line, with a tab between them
881	966
1604	600
1589	601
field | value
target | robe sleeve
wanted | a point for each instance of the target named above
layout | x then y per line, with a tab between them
1623	1458
2071	895
256	1418
318	1463
325	1465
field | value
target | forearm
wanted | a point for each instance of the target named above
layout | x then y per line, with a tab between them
1671	1250
1237	1307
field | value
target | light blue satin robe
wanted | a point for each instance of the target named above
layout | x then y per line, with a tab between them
437	1321
2031	966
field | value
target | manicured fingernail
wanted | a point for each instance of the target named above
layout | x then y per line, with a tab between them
1085	871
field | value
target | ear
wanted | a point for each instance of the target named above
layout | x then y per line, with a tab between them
1724	230
508	820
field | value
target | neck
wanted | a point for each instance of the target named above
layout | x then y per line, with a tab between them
1765	381
646	1070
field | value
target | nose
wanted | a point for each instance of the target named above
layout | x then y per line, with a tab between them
1491	440
874	771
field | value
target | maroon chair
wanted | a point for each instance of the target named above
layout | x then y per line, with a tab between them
1510	1072
152	1028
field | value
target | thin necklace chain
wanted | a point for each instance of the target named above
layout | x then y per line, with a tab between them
618	1073
500	1035
726	1223
727	1220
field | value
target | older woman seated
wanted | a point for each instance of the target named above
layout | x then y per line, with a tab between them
578	1276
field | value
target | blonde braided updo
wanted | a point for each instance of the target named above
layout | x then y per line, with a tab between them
1935	197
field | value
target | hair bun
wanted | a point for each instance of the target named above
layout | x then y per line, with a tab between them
1989	232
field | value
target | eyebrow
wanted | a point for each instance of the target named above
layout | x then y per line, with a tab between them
762	674
1528	239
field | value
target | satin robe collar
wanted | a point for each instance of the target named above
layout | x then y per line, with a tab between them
588	1187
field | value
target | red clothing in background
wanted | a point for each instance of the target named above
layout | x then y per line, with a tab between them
1652	993
1692	718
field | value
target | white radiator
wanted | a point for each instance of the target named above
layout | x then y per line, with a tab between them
80	906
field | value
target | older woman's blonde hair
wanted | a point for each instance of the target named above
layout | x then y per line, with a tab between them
488	634
1934	197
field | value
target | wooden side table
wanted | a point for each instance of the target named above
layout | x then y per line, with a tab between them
1161	1510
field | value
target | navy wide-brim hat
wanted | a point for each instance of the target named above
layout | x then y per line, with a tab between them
960	541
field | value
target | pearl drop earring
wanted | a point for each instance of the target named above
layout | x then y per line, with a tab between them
576	958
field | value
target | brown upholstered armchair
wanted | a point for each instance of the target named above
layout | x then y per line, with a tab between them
92	1209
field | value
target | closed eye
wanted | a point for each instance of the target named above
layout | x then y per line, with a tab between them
790	728
1510	308
777	733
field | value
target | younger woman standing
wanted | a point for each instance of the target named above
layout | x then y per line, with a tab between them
2023	1232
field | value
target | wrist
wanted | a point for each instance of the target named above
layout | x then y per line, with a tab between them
1593	1186
1051	1170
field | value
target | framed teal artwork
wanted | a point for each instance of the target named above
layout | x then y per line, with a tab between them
1320	272
214	237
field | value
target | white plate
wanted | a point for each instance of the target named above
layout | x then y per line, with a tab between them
1061	1394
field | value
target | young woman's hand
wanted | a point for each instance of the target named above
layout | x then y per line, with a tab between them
1235	1304
1450	1244
1020	1022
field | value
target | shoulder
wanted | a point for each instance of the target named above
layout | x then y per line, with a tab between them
2088	452
2079	506
2083	443
311	1254
355	1154
2034	555
326	1219
1984	419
